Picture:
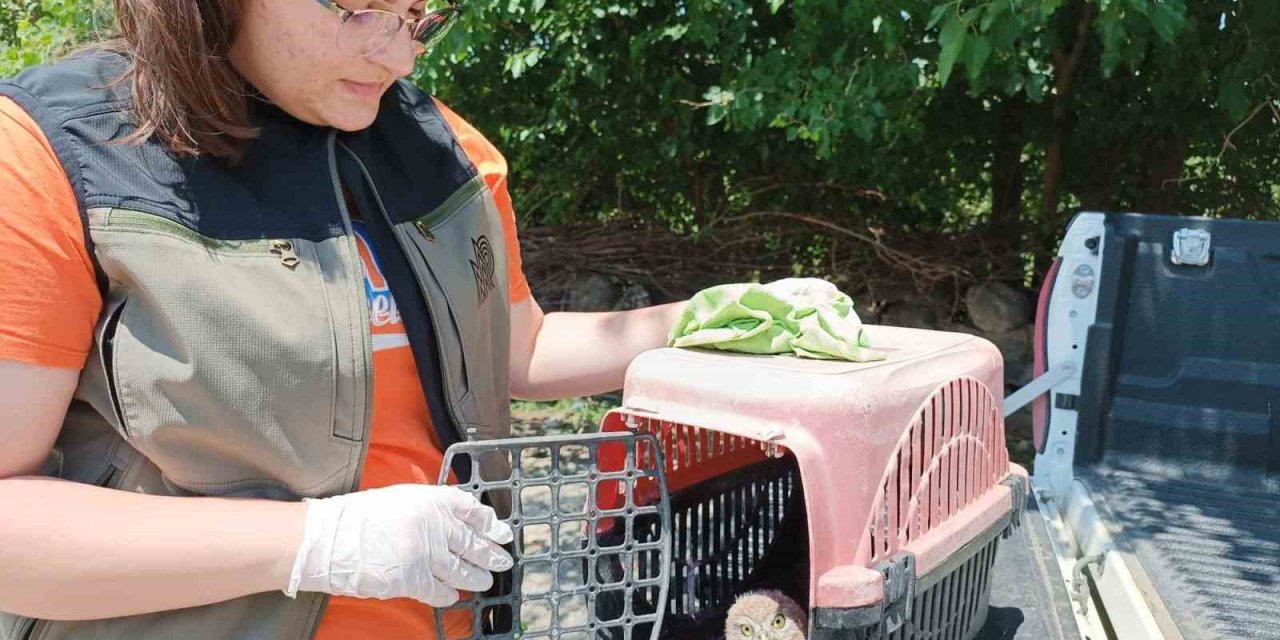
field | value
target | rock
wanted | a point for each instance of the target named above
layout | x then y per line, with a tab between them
913	312
1016	347
961	328
1020	437
996	307
633	297
549	299
593	292
868	312
897	305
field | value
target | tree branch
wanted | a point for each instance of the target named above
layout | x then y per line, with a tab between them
1226	142
1067	70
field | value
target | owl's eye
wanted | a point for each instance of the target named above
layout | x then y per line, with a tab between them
779	621
747	631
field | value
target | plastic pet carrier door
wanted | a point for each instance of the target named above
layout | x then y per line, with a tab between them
558	493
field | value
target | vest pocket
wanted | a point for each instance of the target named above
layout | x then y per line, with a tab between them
449	337
107	359
223	359
25	629
459	253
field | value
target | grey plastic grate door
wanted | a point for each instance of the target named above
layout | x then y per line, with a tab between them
953	608
562	495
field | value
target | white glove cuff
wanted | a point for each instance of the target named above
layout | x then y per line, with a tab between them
311	564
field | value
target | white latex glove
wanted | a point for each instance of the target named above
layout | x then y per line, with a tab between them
407	541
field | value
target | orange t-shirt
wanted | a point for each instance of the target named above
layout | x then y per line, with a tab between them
49	303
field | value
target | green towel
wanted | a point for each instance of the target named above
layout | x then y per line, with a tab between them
806	317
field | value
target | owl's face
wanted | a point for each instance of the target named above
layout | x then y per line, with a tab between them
765	616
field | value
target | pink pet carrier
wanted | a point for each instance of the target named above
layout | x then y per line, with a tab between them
874	495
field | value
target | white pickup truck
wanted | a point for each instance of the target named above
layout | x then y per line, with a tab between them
1155	508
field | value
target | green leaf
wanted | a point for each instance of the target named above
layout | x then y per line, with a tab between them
515	64
1112	36
939	12
1035	87
1005	32
1167	21
675	32
716	113
776	5
532	56
976	56
994	10
1232	98
952	41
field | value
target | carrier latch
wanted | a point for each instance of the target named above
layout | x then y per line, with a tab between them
899	589
1018	494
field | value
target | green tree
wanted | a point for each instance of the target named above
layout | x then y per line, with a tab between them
996	117
1003	112
36	31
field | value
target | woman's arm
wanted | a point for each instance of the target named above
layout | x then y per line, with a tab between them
566	355
80	552
71	551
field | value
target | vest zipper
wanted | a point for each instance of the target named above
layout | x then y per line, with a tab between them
425	231
435	317
448	208
123	218
284	249
362	304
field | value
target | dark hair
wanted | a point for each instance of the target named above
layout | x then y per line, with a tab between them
186	93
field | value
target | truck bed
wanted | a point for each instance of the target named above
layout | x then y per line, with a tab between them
1210	548
1177	421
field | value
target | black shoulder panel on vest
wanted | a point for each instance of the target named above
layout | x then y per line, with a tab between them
415	159
56	94
283	187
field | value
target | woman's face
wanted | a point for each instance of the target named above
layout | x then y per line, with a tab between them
288	50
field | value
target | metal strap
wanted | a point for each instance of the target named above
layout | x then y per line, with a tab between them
1048	380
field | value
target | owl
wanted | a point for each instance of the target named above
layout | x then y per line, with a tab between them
766	615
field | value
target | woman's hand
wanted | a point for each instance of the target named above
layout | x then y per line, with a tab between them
408	541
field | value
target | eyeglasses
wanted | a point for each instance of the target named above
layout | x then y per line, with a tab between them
368	31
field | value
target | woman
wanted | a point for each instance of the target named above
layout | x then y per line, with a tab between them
252	284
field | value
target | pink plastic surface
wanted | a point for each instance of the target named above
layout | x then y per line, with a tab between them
1040	406
902	454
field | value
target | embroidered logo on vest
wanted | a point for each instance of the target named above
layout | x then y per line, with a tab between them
482	265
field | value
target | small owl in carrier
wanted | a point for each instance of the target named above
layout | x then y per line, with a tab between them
766	615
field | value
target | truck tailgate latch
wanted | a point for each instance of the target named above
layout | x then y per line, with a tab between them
1191	247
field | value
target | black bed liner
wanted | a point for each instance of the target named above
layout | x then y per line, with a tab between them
1179	426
